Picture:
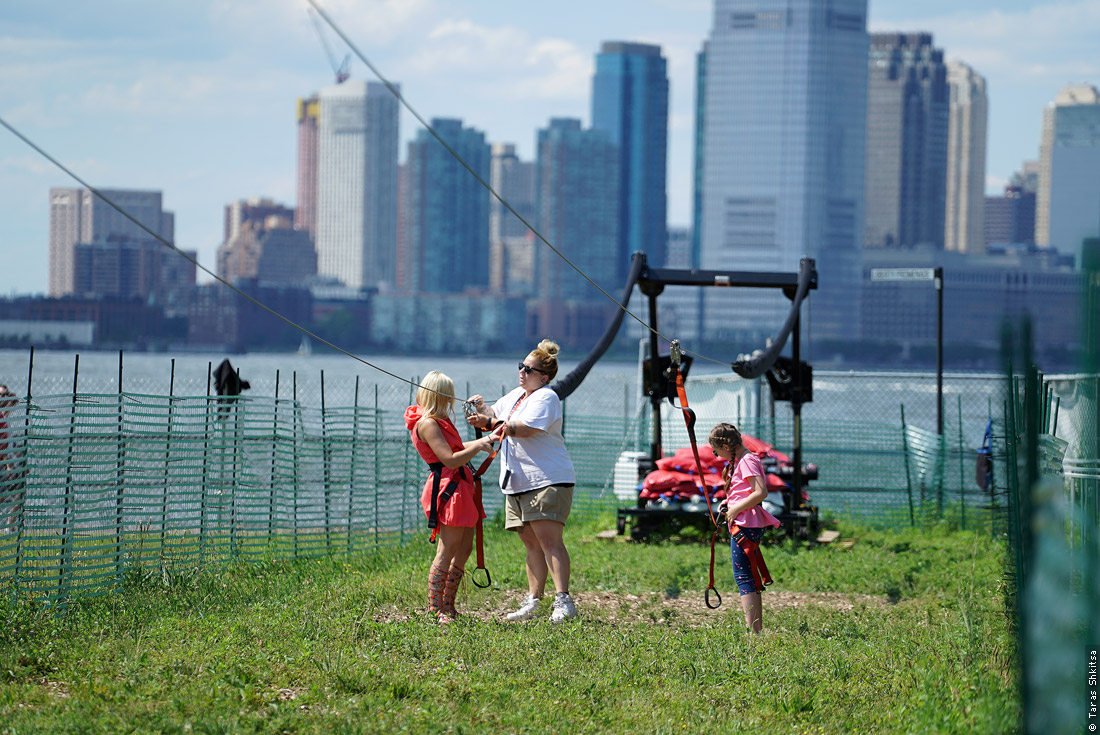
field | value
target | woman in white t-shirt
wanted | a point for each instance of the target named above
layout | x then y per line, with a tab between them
536	476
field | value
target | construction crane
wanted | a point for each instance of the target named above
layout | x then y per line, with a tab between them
341	69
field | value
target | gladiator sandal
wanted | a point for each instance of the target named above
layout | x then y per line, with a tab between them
451	590
437	582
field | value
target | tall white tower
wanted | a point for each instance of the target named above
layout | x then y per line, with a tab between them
357	145
964	218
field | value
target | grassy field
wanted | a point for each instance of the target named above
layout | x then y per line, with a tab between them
899	633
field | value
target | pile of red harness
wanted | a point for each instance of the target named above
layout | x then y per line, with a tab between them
675	478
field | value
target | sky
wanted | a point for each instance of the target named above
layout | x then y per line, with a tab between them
196	98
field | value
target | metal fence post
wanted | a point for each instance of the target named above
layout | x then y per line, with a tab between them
67	523
205	466
908	473
377	444
297	412
164	509
354	447
120	493
21	521
233	471
962	475
325	466
274	450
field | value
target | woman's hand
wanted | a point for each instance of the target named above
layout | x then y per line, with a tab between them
483	418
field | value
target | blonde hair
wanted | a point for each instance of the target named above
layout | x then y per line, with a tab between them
547	356
436	394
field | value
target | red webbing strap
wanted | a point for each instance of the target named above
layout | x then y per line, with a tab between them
479	540
689	421
760	575
710	586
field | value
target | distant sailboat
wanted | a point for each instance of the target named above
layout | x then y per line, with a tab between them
305	349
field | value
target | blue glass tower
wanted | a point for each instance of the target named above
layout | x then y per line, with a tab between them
630	103
576	201
446	228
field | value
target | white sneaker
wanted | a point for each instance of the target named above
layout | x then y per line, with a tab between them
527	610
563	609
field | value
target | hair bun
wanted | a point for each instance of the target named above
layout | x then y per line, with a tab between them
550	347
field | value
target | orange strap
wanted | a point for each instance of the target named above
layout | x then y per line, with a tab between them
689	421
760	575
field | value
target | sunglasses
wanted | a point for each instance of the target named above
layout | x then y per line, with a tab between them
528	369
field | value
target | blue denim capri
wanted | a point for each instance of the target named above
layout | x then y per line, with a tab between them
742	572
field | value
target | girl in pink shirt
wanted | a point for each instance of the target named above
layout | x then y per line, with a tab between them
746	490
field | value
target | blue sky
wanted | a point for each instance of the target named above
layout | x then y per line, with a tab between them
196	98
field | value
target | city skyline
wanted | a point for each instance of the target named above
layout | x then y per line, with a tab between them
194	101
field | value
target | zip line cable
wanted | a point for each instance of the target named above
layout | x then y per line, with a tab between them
427	126
198	265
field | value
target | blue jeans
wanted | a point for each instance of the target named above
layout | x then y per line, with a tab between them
742	572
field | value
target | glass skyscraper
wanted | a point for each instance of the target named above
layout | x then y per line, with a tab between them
576	203
446	226
783	98
907	130
1068	203
630	103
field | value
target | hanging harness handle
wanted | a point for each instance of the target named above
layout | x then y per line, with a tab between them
711	587
675	355
479	531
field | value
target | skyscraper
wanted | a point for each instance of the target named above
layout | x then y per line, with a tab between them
577	203
783	97
907	126
305	212
511	243
79	216
357	142
1068	200
630	103
1010	218
965	193
446	211
255	210
265	248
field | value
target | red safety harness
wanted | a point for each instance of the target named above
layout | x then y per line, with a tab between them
689	421
439	498
760	576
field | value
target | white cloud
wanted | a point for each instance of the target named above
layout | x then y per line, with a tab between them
1050	44
995	185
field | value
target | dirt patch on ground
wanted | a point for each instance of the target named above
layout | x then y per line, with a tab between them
655	609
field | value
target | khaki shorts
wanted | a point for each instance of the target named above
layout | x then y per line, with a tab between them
550	503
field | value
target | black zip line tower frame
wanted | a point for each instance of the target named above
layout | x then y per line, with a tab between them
652	282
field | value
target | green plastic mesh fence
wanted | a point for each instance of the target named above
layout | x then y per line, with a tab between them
95	484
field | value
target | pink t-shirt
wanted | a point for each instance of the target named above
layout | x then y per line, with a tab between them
740	488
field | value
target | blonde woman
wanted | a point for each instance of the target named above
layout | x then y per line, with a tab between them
536	476
448	497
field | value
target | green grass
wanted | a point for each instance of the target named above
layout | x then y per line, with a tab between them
900	633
